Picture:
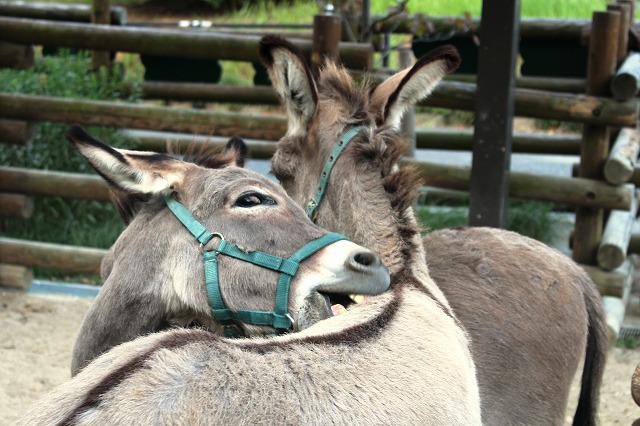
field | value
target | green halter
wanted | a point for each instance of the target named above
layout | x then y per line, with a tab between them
279	318
314	202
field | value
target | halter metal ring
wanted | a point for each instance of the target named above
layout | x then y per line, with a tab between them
213	235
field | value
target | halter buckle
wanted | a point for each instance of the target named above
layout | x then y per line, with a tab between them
213	235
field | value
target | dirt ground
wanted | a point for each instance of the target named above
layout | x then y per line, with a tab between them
37	334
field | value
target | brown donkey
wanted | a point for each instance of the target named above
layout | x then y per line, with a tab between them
400	358
530	311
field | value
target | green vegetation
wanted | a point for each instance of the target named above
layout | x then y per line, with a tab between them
529	218
57	220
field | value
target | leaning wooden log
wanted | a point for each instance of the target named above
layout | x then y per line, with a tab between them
16	277
462	140
550	84
180	142
616	283
57	11
61	184
554	189
16	56
138	116
539	104
17	132
218	93
612	250
614	308
621	162
16	205
54	256
169	43
626	83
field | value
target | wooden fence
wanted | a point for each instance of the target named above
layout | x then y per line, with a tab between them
610	188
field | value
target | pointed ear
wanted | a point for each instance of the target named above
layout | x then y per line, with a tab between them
237	150
395	95
134	172
292	81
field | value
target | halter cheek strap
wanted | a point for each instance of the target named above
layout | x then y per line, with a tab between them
279	318
314	202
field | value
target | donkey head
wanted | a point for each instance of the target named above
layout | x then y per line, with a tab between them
155	273
365	196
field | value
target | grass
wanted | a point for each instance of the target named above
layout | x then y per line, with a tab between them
532	219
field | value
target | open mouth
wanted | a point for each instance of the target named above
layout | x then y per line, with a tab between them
339	303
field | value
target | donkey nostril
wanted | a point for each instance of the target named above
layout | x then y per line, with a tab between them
365	258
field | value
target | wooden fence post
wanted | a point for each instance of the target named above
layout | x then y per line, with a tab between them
327	30
101	14
603	55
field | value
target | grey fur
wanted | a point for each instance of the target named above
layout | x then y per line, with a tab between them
530	311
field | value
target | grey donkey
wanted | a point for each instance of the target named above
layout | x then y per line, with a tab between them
530	311
399	358
152	282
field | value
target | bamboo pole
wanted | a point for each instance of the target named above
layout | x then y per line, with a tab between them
603	49
169	43
549	84
62	184
57	11
462	139
555	189
54	256
626	82
16	277
539	104
16	205
612	250
138	116
17	132
621	162
17	56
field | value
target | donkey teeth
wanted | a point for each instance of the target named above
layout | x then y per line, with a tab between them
338	309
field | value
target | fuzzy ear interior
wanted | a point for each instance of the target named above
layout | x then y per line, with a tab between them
134	172
391	99
292	81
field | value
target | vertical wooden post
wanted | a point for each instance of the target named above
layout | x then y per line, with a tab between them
603	56
327	30
408	126
623	33
499	34
101	14
365	22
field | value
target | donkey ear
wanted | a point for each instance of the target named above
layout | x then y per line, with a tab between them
237	150
133	172
403	90
291	80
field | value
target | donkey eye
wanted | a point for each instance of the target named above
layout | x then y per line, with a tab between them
252	199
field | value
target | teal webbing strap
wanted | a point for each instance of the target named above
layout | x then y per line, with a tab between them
259	258
314	202
186	218
279	318
282	290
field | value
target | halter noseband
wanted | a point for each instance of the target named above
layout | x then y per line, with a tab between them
279	318
314	202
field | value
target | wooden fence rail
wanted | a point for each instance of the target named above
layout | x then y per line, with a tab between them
169	43
448	94
54	256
